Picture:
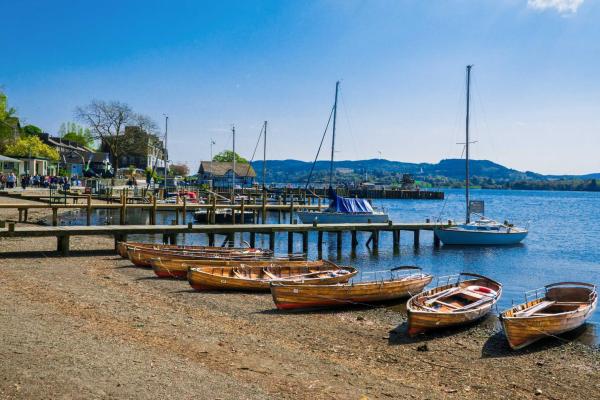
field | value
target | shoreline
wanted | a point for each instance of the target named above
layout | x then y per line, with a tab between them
93	326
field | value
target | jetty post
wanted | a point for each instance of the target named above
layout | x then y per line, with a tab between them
88	214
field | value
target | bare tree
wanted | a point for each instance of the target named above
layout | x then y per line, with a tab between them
107	121
145	123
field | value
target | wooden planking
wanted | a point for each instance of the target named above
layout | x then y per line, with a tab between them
50	231
255	279
310	296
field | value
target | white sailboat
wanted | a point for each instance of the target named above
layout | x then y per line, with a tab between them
483	231
341	209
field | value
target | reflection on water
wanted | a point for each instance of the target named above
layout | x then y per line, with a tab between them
562	244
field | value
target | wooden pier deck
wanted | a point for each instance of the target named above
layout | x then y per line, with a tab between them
169	232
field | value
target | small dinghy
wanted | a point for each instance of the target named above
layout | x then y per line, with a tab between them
258	278
166	267
555	309
397	286
469	298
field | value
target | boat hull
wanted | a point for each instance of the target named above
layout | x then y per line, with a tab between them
288	297
165	267
221	278
142	257
475	238
521	331
308	217
421	320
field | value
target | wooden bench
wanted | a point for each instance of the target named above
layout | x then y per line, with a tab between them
532	310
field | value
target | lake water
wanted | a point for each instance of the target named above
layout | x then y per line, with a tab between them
563	243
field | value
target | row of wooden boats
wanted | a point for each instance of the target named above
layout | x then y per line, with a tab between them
302	284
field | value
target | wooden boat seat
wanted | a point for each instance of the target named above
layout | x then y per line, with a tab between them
447	304
441	294
535	309
481	301
571	303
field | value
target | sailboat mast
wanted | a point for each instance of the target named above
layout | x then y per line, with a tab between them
337	85
233	172
264	166
468	219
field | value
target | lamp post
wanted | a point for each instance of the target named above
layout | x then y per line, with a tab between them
166	157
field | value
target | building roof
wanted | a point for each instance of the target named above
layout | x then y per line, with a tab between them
8	159
217	168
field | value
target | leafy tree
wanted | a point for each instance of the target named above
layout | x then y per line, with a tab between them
179	169
227	156
9	123
76	133
31	145
31	130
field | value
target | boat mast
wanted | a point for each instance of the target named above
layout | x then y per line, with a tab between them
233	172
264	166
468	219
337	85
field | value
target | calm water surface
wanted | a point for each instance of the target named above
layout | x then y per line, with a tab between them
563	243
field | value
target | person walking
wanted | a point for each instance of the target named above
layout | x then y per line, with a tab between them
11	180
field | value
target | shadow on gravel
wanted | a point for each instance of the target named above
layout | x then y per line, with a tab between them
52	254
497	345
322	311
399	335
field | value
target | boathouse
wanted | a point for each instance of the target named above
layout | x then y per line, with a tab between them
218	175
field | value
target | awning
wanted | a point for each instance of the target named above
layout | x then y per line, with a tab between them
8	159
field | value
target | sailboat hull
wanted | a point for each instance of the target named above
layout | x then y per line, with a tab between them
308	217
478	238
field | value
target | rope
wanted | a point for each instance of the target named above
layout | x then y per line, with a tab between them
255	148
312	168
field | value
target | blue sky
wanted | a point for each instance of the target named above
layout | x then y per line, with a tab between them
536	97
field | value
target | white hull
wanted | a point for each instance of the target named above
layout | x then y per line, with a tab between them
479	238
308	217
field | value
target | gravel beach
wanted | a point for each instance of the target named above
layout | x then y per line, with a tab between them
94	326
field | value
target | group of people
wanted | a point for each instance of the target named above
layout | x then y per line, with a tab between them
10	181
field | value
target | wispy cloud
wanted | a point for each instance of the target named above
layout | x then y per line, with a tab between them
562	6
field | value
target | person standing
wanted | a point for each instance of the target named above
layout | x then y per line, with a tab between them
11	180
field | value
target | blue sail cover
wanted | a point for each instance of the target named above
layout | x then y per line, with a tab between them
349	205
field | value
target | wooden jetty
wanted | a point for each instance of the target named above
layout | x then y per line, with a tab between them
169	232
238	209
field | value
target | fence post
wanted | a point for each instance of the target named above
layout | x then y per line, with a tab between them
123	205
89	210
54	216
184	209
242	210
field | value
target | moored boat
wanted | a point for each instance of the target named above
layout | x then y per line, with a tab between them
484	231
467	298
123	247
166	267
313	296
558	308
259	278
141	257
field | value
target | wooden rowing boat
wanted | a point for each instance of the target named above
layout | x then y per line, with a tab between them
123	247
312	296
259	278
141	257
452	304
564	306
166	267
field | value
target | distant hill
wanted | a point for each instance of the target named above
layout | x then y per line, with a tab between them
449	172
